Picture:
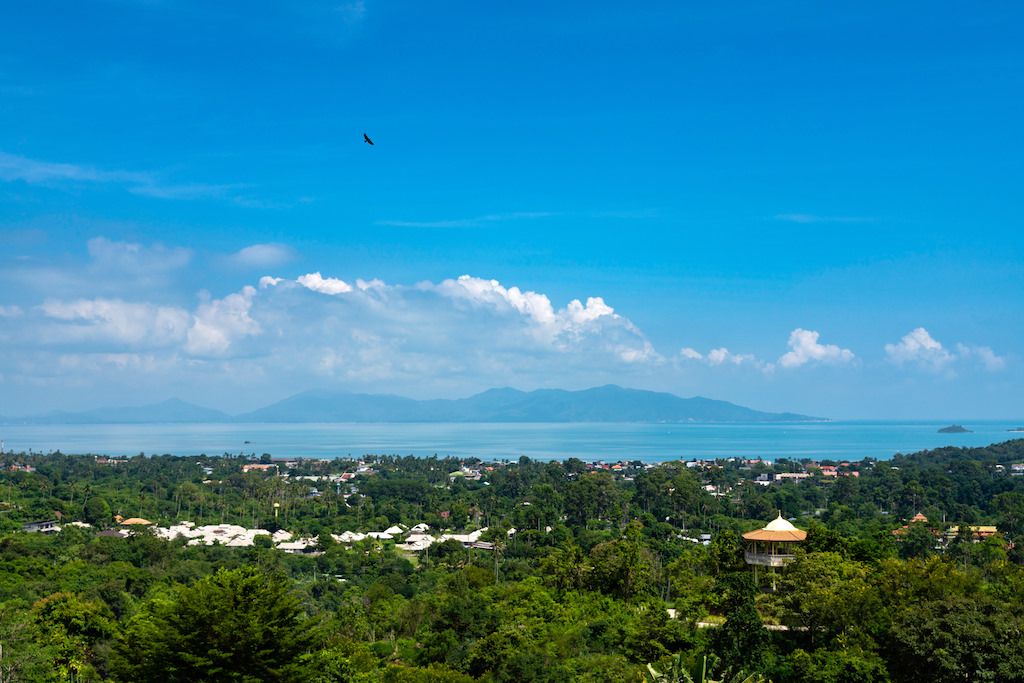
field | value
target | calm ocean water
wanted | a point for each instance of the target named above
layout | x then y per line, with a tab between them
589	441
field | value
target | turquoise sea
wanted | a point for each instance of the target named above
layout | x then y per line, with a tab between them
588	441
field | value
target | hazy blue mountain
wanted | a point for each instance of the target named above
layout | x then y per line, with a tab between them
338	406
171	410
600	404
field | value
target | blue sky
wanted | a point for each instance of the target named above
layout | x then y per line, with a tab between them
783	205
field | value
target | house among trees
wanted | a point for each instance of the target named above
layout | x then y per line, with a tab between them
48	526
132	521
976	533
772	546
259	467
916	519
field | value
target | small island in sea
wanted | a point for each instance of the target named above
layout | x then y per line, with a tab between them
1016	429
954	429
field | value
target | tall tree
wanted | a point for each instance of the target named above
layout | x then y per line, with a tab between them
235	625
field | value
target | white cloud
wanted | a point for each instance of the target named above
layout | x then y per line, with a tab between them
219	323
268	281
462	332
33	171
329	285
460	326
723	356
595	308
804	348
107	324
535	308
989	359
490	292
15	168
367	285
918	347
10	311
643	354
263	255
117	321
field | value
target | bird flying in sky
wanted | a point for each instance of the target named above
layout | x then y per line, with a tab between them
366	139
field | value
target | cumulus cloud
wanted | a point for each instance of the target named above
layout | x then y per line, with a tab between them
988	358
561	328
109	324
722	356
263	255
463	332
116	321
324	285
919	349
459	326
367	285
535	306
642	354
805	348
217	324
268	281
580	314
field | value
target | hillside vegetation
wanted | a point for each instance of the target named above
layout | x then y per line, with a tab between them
586	572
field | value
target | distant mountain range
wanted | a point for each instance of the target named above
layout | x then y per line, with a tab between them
601	404
171	410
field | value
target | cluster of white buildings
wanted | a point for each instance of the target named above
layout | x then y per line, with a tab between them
415	539
225	534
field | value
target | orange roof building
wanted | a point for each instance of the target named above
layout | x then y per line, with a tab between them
778	530
772	546
916	519
132	521
258	467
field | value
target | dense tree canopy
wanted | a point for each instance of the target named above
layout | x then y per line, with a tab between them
235	625
594	573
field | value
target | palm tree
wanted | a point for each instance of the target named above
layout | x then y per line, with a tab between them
677	673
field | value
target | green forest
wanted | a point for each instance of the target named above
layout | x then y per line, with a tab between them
584	572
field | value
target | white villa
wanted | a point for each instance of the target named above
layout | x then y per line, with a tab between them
416	540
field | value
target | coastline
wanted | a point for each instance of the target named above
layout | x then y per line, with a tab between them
647	442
